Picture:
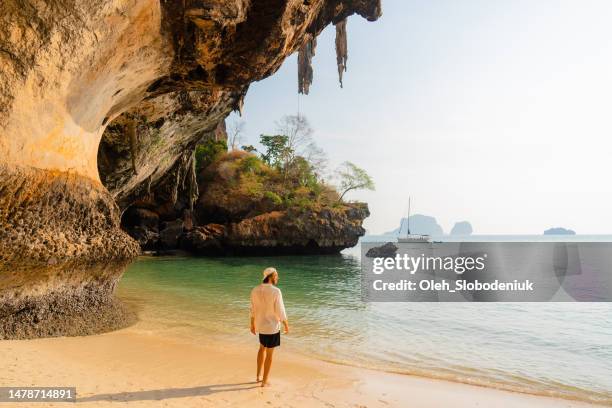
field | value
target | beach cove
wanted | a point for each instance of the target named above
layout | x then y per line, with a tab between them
136	368
192	337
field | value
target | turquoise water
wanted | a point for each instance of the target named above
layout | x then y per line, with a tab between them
559	349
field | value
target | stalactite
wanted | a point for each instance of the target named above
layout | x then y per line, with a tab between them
193	183
305	65
131	131
180	173
185	179
185	161
239	104
220	132
175	186
341	49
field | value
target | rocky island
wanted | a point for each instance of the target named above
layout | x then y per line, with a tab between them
246	207
100	104
462	228
559	231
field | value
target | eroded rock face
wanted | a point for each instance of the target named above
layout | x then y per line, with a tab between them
70	68
166	129
327	231
62	252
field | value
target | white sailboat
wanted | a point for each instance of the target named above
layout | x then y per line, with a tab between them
410	238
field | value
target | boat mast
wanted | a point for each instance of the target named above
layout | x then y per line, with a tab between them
408	219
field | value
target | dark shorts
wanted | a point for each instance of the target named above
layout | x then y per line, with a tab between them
269	340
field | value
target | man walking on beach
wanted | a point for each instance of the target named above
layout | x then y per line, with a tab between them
267	313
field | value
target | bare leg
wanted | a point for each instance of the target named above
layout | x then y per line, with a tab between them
260	360
267	365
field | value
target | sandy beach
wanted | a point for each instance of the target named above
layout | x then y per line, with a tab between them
134	368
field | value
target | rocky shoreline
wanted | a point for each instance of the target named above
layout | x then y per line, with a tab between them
272	233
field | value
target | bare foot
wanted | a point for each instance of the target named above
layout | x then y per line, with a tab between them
258	379
266	384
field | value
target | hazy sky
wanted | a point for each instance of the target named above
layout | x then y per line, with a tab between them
496	112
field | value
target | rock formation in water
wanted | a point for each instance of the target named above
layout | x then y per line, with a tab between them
419	224
462	228
281	232
165	70
387	250
247	208
559	231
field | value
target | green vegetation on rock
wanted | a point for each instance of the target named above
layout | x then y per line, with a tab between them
286	175
243	183
207	151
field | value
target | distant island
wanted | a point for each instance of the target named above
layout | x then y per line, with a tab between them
462	228
427	225
420	224
559	231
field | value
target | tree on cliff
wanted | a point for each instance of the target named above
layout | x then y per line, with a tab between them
276	147
293	151
300	143
298	132
353	178
235	134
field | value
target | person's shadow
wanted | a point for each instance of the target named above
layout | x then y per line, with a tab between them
167	393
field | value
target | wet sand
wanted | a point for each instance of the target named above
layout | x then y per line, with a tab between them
136	368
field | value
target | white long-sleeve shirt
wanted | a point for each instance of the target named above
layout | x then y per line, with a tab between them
267	308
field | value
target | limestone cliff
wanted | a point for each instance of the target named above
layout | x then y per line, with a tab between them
166	70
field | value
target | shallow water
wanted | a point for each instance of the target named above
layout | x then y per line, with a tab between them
560	349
